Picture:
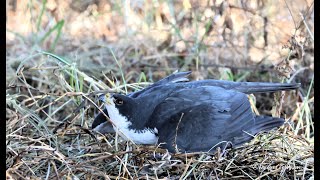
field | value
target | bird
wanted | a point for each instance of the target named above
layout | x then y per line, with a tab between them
185	116
103	126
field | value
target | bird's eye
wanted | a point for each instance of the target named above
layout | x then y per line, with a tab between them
118	101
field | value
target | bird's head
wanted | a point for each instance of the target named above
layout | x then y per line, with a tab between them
120	106
127	115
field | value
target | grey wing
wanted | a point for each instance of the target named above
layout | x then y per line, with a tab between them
198	119
247	87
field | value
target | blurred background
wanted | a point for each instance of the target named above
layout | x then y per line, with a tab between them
269	41
212	38
103	44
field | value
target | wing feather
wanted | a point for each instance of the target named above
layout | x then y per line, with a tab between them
197	119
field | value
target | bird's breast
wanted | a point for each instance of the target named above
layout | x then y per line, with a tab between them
145	136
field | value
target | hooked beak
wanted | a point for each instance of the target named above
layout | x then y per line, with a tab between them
106	98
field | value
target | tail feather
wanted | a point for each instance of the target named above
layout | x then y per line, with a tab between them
250	87
262	124
266	123
259	87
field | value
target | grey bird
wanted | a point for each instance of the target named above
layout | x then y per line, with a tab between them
196	116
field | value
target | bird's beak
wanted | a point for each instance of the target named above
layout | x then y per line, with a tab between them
102	97
108	99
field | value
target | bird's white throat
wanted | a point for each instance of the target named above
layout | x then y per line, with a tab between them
122	124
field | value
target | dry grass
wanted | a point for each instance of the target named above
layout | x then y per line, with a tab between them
51	101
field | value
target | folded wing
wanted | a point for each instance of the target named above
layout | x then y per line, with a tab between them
204	117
